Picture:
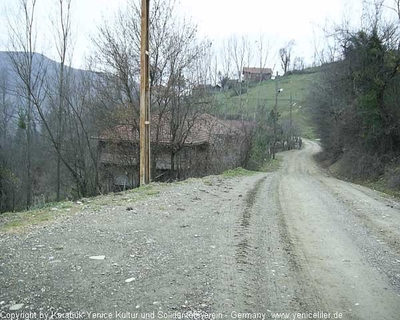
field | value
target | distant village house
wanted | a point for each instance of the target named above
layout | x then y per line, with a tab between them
257	74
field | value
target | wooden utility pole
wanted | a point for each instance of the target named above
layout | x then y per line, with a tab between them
144	96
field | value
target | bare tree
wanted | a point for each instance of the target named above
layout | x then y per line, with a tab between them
62	27
263	53
239	51
240	54
47	90
7	109
7	187
30	69
72	99
225	71
285	54
81	119
225	60
396	7
298	63
175	55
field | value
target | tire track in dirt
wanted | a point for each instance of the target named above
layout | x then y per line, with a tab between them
243	247
323	239
378	215
236	277
307	295
246	250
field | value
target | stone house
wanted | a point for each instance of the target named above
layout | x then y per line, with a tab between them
206	145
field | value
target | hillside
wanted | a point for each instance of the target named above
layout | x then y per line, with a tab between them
42	67
40	61
295	89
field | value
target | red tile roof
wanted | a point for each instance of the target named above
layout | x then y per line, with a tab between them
258	70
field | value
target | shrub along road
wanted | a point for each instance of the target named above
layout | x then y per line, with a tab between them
292	241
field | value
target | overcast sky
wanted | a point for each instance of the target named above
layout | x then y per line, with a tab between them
280	21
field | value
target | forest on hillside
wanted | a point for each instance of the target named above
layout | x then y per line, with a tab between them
356	103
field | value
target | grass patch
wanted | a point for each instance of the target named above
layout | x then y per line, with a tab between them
66	205
381	186
152	192
272	164
16	222
189	180
237	172
207	182
127	197
295	90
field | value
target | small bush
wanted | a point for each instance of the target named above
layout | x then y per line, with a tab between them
237	172
236	92
357	165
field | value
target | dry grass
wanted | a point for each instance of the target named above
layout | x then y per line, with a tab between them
16	222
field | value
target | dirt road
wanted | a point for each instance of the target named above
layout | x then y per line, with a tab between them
293	244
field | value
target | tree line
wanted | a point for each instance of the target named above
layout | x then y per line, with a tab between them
50	112
356	102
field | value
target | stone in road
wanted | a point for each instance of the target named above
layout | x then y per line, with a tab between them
295	241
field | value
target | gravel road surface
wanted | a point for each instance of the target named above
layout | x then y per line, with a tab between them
292	244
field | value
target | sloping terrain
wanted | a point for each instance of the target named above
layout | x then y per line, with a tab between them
296	88
275	244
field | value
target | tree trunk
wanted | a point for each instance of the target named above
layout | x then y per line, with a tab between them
58	178
172	163
28	159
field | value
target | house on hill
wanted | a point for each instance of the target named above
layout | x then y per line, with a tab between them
257	74
206	145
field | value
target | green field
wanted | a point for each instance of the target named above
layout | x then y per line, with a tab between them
295	90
